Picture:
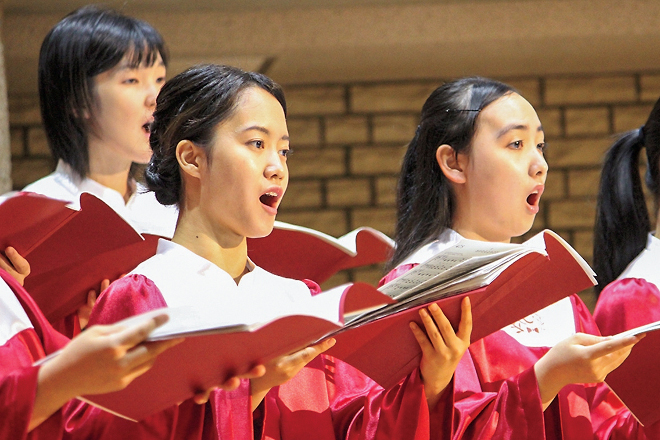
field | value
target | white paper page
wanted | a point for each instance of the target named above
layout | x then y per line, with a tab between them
639	330
460	258
189	320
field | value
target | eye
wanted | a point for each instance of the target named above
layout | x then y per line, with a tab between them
516	145
542	146
258	143
160	80
286	152
131	81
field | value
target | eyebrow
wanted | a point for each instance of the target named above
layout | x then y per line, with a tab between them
127	66
263	130
511	127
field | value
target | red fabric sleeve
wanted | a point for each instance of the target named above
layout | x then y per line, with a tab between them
226	415
626	304
128	296
622	305
17	392
50	339
584	321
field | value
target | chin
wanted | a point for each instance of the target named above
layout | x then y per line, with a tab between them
262	232
522	230
143	160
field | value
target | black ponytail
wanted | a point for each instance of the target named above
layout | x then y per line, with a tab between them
622	217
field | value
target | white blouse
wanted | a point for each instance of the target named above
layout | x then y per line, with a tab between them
647	264
142	210
13	318
188	280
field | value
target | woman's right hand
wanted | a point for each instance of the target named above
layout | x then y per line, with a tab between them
102	359
580	358
281	369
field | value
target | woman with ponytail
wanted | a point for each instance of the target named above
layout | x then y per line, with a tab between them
476	170
626	253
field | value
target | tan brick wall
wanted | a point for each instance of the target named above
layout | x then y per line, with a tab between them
349	140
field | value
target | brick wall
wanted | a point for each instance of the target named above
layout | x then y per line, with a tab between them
349	140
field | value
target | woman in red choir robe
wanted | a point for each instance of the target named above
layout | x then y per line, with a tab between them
626	252
99	74
476	170
220	145
103	359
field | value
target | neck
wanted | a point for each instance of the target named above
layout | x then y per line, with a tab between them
222	248
472	234
106	169
474	230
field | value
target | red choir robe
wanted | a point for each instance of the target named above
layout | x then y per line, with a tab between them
496	395
328	399
27	337
624	304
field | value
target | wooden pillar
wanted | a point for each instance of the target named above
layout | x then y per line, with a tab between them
5	147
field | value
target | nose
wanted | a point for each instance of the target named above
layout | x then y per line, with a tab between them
538	166
152	94
276	166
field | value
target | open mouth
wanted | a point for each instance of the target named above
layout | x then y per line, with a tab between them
270	199
533	199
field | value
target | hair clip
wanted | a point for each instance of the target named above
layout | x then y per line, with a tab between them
449	110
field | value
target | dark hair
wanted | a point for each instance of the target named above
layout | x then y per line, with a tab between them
85	43
622	218
425	203
189	107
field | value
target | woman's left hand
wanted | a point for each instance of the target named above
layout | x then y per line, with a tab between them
86	310
14	264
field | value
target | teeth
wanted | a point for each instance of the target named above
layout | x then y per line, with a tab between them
271	194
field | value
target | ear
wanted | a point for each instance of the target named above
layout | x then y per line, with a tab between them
86	115
191	158
451	163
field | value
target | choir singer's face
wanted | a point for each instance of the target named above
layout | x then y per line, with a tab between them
247	174
504	172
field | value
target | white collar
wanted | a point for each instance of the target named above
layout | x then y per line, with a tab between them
186	279
645	265
74	184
